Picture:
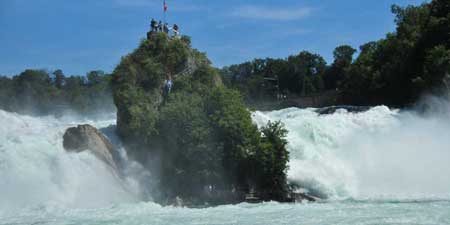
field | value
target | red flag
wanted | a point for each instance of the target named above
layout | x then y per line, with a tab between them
165	6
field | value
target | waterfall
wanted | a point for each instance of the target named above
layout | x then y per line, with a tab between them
380	153
35	170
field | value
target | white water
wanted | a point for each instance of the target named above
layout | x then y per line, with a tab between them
378	154
378	167
35	170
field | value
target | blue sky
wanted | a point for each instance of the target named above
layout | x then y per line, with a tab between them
82	35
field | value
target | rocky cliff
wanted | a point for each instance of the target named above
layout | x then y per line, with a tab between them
198	140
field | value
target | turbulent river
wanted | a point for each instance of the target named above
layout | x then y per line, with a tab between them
381	166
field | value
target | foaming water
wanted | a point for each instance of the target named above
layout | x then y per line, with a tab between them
340	212
36	171
377	154
381	166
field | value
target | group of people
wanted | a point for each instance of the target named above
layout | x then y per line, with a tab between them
160	27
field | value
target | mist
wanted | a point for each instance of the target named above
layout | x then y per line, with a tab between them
36	171
379	154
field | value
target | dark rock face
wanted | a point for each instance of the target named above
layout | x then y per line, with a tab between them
349	108
86	137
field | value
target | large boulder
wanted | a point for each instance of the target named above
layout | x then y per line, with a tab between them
86	137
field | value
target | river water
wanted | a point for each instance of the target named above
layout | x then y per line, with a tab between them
381	166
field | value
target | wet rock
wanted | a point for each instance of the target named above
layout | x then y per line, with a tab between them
348	108
88	138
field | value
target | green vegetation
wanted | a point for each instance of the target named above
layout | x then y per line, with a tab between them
407	63
396	70
298	75
39	93
200	139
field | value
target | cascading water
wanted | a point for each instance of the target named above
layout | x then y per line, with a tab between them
381	166
36	171
380	153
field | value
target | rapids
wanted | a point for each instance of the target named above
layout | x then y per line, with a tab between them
378	154
35	170
381	166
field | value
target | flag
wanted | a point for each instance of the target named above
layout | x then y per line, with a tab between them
165	6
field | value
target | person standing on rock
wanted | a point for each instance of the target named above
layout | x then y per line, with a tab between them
160	26
167	86
153	25
176	31
166	28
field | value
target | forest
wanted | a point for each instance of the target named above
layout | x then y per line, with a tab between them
40	92
411	61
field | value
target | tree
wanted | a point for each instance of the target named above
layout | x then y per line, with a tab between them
343	57
302	69
7	95
95	77
59	78
275	158
437	66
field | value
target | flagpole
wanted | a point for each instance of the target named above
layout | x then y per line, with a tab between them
164	10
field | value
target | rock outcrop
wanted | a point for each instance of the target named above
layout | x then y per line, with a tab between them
198	140
86	137
348	108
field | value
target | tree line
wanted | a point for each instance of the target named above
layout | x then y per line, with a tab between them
396	70
298	75
40	92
